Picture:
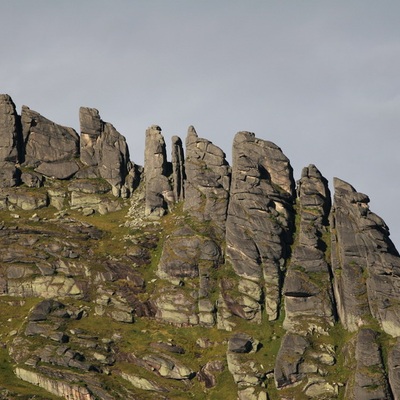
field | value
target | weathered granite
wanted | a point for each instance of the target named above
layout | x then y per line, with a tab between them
289	359
393	368
365	263
10	132
103	148
178	168
207	181
309	303
45	141
259	217
158	188
369	381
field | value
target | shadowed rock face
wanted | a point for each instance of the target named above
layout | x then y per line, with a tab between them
178	168
259	219
365	263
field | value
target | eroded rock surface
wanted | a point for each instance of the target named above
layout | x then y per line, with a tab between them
158	188
46	141
309	302
104	150
259	219
365	263
207	180
370	380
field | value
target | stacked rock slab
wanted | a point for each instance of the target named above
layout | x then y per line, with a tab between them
365	263
9	142
257	226
158	188
50	148
104	151
207	181
309	304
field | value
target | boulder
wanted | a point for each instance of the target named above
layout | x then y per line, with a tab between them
241	343
207	373
58	170
9	174
168	367
43	309
289	359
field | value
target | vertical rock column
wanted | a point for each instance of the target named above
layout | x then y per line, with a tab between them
158	188
365	262
104	151
259	219
192	251
207	181
309	303
9	142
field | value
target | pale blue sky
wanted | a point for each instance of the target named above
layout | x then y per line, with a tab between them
318	78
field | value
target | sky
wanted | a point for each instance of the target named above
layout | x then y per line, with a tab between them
318	78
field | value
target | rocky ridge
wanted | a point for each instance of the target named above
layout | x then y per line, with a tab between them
190	278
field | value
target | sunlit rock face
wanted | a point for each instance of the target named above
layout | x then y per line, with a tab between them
309	302
260	217
365	263
207	180
203	278
104	151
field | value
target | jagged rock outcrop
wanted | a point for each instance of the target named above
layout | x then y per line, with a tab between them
365	263
159	192
309	303
207	181
258	223
104	151
46	142
10	142
136	305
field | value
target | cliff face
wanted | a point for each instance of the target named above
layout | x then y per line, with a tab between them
190	278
